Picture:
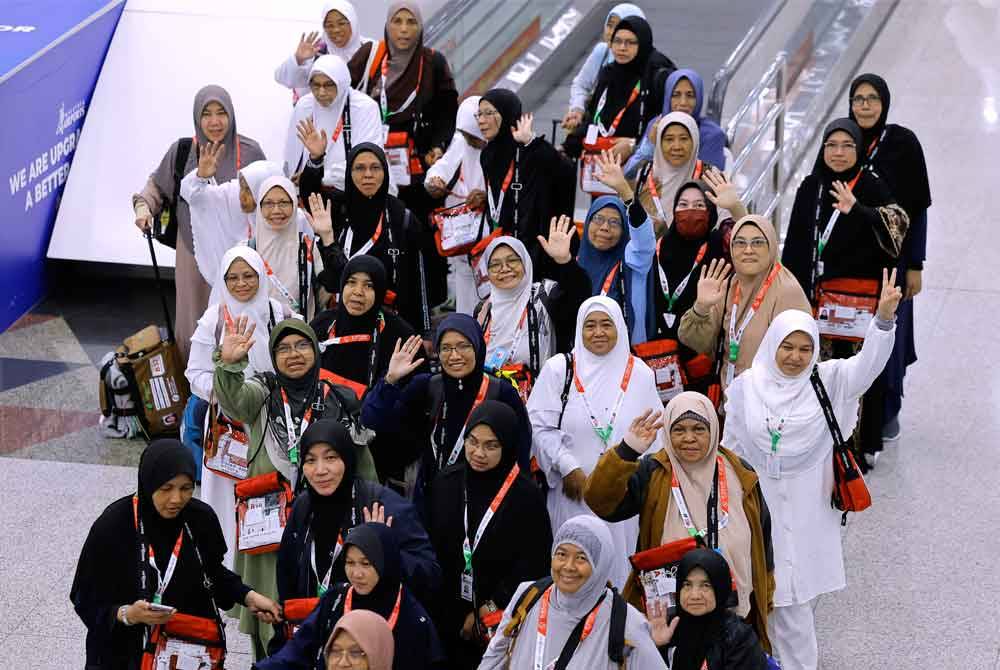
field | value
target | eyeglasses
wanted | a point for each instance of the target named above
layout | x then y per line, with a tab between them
510	263
301	347
268	205
354	655
835	146
741	243
375	168
600	220
247	278
861	100
487	114
463	349
316	86
620	42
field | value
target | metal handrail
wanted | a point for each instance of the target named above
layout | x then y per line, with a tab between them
720	83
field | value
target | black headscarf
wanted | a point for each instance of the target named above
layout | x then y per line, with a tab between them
372	266
378	543
822	170
482	487
300	391
695	634
637	66
899	159
496	156
329	513
162	461
363	212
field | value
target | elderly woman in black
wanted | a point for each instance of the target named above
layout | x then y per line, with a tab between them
123	600
490	530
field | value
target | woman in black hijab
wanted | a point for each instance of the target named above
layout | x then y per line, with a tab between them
334	501
894	152
514	544
632	88
376	580
527	181
845	224
366	219
704	633
112	590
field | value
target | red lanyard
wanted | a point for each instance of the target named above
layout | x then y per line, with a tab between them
383	96
682	508
480	397
367	246
495	208
331	336
468	549
736	336
610	131
163	577
611	276
543	627
605	432
828	231
293	439
488	335
665	285
393	618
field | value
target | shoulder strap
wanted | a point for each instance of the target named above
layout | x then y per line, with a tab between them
493	389
184	145
616	636
529	597
573	641
567	384
824	402
455	177
347	124
534	354
435	394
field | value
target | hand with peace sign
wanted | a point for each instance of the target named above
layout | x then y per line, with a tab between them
891	295
404	360
238	339
609	172
561	231
308	48
314	141
208	159
642	432
843	197
712	286
319	218
523	132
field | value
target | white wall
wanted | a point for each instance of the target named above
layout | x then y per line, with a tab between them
163	52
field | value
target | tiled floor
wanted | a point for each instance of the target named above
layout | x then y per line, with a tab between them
922	573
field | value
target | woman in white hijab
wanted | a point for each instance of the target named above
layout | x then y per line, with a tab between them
775	421
329	121
458	176
240	274
608	389
340	37
583	559
675	162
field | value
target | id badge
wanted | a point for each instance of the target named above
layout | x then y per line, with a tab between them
670	319
466	587
498	358
591	137
819	268
773	466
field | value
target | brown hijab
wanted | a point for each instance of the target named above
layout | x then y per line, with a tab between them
784	293
695	481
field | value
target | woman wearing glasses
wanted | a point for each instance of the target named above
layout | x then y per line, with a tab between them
730	315
844	229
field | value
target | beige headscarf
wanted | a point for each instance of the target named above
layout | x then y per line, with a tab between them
784	293
372	634
695	480
667	177
279	247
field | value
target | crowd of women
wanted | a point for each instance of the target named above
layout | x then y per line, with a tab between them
617	451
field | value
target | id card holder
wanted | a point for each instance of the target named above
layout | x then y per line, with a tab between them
670	319
773	466
591	137
466	587
498	358
819	268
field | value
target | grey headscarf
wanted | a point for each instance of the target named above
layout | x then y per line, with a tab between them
592	536
401	58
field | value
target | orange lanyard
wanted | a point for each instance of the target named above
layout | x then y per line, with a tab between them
614	124
163	577
605	432
665	284
611	276
828	231
331	335
495	208
682	508
293	439
736	336
393	618
367	246
467	549
383	96
480	397
543	627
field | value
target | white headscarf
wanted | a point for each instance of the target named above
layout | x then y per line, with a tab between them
507	306
764	392
356	40
257	310
280	248
669	178
325	118
462	155
601	375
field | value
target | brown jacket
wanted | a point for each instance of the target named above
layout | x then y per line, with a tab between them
619	488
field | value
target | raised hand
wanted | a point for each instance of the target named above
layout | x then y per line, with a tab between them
208	159
891	295
723	194
237	340
844	198
436	187
561	231
376	515
523	132
573	484
476	199
712	285
320	219
642	432
659	629
609	172
572	120
404	360
914	283
308	47
314	141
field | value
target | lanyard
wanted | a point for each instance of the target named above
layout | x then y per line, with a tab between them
460	442
543	627
496	207
285	293
614	124
163	577
293	439
323	583
605	432
874	146
366	247
723	493
395	608
467	549
825	236
383	96
332	339
518	333
775	432
610	278
665	285
655	192
736	336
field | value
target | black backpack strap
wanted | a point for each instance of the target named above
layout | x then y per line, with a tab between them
824	402
534	353
303	276
454	178
184	146
493	389
347	124
573	641
567	384
435	395
529	597
616	634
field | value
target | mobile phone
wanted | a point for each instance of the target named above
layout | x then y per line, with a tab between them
160	608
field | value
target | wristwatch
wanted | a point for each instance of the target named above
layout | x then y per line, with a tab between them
490	606
123	615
